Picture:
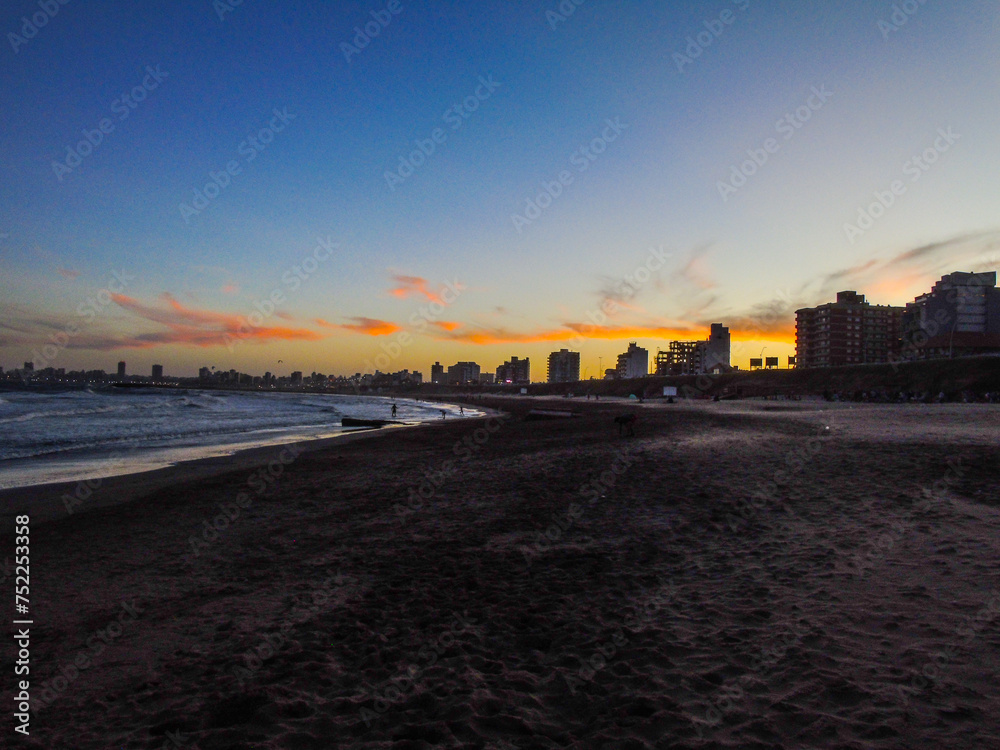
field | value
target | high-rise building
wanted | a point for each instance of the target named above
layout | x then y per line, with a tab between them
462	373
717	348
514	370
960	315
157	372
849	331
634	363
29	366
121	369
437	373
564	366
296	378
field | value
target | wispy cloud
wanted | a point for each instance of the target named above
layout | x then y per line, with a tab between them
187	325
408	286
370	326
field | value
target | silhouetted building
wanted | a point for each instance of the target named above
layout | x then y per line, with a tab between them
157	372
462	373
564	366
634	363
849	331
514	370
486	378
29	366
296	378
121	369
437	373
959	316
696	357
681	358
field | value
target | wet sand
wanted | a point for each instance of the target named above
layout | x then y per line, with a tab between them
736	575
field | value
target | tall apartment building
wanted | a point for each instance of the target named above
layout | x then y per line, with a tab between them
121	369
461	373
564	366
849	331
634	363
960	315
157	372
437	373
514	370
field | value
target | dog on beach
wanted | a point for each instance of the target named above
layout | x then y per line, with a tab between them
626	422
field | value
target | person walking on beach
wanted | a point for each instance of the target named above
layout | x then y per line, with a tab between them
442	414
393	410
461	410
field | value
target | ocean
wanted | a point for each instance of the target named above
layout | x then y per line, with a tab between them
86	434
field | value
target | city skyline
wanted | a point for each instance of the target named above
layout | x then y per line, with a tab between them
417	191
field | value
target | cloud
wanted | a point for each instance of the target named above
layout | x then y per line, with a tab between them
230	288
186	325
68	273
370	326
410	285
910	268
696	272
446	325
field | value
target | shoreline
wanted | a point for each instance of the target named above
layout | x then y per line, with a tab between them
51	501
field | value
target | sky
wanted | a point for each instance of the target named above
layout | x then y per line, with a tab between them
357	185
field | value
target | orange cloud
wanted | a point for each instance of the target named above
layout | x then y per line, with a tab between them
371	326
187	325
446	325
230	288
410	285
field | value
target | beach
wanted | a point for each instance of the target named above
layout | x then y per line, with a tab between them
765	574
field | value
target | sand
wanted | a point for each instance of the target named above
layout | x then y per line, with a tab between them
734	576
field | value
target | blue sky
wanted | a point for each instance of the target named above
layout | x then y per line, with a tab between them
775	242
